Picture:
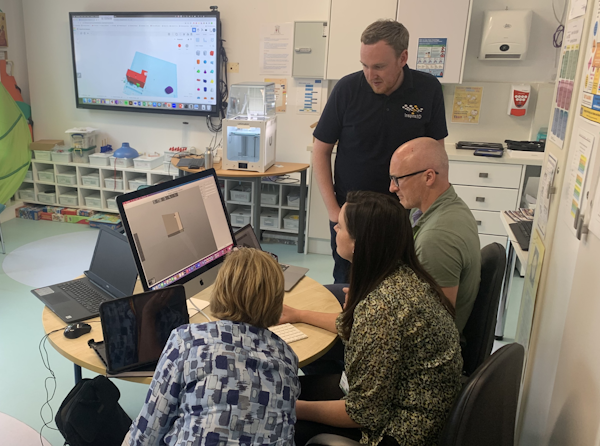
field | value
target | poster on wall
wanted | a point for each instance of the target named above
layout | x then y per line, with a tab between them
308	96
543	207
280	94
431	56
466	105
3	31
276	42
590	103
535	260
566	80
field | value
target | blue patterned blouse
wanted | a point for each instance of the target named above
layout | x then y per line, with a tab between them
221	383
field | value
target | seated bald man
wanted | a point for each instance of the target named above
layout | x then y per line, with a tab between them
445	231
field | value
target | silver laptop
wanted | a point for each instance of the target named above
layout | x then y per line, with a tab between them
292	274
112	274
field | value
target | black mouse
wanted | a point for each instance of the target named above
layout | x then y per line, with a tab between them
73	331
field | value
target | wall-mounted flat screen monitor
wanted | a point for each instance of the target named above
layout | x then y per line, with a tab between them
179	231
152	62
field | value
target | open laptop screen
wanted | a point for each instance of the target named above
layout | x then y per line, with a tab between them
177	229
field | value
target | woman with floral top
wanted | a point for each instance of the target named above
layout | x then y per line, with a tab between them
228	382
402	354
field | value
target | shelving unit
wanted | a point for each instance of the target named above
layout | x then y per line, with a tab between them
274	204
131	178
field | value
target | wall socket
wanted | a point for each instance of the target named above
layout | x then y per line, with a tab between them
233	67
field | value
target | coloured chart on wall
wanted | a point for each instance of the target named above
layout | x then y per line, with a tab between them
566	80
590	104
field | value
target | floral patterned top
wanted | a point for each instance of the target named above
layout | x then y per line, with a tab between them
403	362
221	383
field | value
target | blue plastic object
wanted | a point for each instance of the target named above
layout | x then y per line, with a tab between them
126	152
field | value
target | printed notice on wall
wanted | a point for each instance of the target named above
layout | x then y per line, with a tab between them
566	80
280	94
308	96
590	101
543	207
431	56
579	163
466	105
276	42
535	260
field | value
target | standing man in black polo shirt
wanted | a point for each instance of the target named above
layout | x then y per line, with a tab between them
370	114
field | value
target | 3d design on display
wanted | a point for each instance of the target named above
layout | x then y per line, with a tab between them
138	79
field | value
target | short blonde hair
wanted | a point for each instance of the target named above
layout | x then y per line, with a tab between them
249	288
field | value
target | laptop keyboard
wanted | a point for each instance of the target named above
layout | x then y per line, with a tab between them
522	232
81	292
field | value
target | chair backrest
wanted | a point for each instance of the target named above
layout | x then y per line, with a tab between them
486	409
480	327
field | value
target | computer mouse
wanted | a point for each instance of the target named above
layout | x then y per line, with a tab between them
73	331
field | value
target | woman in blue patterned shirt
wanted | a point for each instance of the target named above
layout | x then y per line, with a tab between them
402	354
229	382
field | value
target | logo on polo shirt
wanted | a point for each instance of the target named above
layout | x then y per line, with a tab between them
413	111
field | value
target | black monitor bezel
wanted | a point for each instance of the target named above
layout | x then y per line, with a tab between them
158	188
134	109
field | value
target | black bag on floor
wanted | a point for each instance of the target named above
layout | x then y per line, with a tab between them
91	414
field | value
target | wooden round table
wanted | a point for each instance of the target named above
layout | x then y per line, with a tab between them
277	169
306	295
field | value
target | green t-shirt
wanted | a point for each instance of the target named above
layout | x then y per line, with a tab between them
447	245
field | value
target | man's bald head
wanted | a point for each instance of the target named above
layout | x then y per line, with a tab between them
419	173
422	153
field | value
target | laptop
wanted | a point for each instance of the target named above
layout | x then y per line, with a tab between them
112	274
292	274
136	329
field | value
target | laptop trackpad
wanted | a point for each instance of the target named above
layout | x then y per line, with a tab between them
56	298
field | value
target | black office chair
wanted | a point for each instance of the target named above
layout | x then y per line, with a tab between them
486	408
480	327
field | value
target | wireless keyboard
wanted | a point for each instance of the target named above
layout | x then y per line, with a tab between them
288	333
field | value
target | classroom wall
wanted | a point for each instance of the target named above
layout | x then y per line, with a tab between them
51	75
16	43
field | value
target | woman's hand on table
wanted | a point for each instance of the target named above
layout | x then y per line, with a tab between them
289	315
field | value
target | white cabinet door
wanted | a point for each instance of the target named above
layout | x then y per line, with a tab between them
440	19
348	19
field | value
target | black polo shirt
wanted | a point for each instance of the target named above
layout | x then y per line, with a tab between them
369	127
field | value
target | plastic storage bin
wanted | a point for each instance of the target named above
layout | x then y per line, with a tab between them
269	219
148	162
113	183
69	199
121	162
93	201
68	179
293	200
268	196
290	221
92	179
29	175
43	155
111	203
27	194
60	154
82	156
48	197
46	175
100	159
241	193
240	216
137	182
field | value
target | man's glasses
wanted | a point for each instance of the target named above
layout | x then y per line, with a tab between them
395	179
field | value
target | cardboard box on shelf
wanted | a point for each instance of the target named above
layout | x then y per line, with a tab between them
77	219
108	221
69	211
58	217
45	144
85	212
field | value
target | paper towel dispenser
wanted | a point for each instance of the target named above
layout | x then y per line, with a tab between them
505	35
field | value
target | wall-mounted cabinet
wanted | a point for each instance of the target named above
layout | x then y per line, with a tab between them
440	19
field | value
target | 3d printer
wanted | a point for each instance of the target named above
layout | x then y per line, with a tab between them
250	127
